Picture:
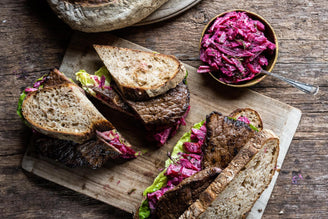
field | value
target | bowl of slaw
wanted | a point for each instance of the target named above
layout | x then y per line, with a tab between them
235	46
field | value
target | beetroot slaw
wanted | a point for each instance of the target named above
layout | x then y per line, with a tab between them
234	48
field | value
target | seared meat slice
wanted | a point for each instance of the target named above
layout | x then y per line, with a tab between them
93	153
175	201
165	110
224	138
112	99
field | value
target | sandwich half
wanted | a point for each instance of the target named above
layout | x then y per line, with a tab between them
148	86
71	130
236	162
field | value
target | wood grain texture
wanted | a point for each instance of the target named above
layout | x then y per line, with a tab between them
33	41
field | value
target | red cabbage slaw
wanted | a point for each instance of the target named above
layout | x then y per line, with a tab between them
234	47
162	136
188	163
114	139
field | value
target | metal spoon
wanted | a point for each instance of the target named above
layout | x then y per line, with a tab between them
306	88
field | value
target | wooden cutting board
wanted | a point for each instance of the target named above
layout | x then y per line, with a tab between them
168	10
121	184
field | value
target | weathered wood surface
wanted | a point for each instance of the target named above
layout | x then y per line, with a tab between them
33	40
113	183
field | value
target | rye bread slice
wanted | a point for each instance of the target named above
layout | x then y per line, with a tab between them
235	190
64	112
141	75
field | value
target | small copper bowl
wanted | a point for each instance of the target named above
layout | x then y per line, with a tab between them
270	35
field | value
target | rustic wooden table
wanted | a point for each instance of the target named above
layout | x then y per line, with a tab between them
33	40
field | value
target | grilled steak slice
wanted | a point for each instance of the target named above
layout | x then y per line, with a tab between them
112	99
175	201
163	111
93	153
224	138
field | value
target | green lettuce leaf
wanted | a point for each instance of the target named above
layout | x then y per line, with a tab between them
104	72
185	78
22	97
161	180
87	80
20	103
144	211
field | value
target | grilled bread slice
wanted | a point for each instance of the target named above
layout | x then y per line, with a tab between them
240	184
64	112
252	115
141	75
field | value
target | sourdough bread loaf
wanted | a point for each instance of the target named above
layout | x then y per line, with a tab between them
141	75
103	15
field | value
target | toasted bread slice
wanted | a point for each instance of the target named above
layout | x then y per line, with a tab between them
251	115
64	112
141	75
235	190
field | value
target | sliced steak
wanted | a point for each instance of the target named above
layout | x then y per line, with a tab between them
224	138
175	201
163	111
112	99
93	153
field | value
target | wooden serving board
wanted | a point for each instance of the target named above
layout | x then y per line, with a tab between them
168	10
121	184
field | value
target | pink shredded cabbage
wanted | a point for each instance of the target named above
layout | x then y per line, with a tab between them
162	136
244	119
188	164
113	138
234	47
30	89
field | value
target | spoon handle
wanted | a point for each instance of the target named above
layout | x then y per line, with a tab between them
306	88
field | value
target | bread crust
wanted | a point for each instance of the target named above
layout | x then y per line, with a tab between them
249	113
95	16
234	168
99	123
135	93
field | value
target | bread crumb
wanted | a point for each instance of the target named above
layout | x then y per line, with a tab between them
281	212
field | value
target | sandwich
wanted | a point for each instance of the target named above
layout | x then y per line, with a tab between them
68	127
216	170
148	86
